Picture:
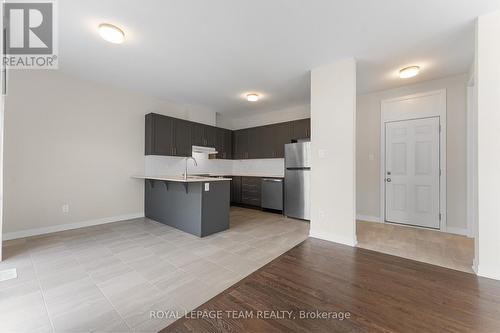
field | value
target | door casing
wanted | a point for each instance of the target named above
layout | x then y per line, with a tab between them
422	105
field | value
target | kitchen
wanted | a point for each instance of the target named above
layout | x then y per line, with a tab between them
223	167
166	163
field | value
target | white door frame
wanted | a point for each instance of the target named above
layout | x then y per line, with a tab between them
387	115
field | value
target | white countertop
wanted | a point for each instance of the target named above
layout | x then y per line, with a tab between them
240	174
180	179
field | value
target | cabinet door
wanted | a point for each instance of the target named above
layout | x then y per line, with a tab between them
282	134
265	142
240	144
163	141
210	136
182	138
255	142
228	144
197	134
219	143
302	129
236	189
150	134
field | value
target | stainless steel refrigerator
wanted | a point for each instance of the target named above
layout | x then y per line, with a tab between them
298	180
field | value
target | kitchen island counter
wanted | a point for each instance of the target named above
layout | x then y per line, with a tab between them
196	205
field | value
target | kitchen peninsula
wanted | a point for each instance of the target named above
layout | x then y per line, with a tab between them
197	205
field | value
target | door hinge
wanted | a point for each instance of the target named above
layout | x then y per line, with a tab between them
439	216
439	128
440	173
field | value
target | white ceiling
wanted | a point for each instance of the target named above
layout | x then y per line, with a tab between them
212	52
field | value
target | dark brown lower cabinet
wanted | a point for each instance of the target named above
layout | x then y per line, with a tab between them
236	189
251	191
246	191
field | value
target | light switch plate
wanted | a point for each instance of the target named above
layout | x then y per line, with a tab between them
207	187
322	153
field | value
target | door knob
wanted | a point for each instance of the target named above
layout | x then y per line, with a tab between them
389	180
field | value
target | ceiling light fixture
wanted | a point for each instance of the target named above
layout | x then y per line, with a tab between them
408	72
252	97
111	33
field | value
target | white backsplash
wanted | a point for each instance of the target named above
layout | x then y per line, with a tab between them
167	165
268	166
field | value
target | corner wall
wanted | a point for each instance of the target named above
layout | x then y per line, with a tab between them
69	141
488	145
333	157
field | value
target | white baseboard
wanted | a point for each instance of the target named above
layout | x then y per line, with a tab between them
368	218
457	231
489	272
69	226
334	238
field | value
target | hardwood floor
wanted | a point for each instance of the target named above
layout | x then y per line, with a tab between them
382	293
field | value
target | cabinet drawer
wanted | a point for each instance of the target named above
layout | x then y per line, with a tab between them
251	201
251	181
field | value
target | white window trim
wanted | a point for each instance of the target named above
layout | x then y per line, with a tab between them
397	116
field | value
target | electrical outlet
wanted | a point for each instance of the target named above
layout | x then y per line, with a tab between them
321	214
65	208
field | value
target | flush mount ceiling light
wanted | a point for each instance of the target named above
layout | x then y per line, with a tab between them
408	72
252	97
111	33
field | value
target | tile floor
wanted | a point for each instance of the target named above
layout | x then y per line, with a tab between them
430	246
108	278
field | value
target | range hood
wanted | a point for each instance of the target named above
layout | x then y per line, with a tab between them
205	150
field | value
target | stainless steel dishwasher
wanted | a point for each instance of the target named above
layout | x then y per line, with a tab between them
272	193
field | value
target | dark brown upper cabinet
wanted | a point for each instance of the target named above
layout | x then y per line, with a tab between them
240	144
159	135
210	136
197	134
175	137
182	138
223	143
282	134
301	129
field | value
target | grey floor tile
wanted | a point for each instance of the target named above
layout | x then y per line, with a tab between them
109	278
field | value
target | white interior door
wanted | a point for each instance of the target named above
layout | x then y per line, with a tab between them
412	172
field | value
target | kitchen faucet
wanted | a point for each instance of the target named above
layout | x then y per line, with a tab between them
186	170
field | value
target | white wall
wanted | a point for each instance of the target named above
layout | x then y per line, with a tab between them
333	160
69	141
167	165
488	145
2	100
264	118
368	147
